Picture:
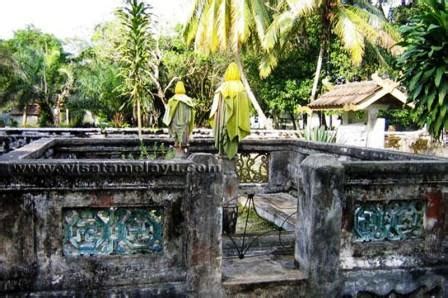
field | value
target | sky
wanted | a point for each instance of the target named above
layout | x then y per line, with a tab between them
77	18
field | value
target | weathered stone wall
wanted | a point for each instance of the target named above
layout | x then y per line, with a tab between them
395	223
373	227
341	247
40	247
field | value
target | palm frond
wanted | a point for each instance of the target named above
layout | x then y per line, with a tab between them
364	25
191	27
224	24
303	7
200	39
351	38
385	34
261	17
268	63
280	27
212	35
243	21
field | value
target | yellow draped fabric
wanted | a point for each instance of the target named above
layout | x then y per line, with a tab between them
230	113
179	115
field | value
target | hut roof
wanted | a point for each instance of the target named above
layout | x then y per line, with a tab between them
359	95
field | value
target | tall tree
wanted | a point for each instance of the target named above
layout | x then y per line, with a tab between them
355	23
135	49
39	56
226	26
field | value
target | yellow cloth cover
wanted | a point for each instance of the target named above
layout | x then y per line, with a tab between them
230	113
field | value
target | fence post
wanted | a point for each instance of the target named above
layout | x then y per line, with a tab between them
318	229
204	243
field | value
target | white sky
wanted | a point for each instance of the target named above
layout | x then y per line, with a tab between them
77	18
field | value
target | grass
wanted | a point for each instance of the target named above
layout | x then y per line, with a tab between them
255	224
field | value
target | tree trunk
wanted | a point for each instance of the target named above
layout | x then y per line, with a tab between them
24	116
139	120
293	119
57	113
261	116
317	74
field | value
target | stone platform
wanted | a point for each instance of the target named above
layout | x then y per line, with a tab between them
266	275
277	208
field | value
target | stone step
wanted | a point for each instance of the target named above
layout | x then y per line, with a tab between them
277	208
273	274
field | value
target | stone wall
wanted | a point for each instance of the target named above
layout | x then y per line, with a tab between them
373	227
395	222
369	221
110	227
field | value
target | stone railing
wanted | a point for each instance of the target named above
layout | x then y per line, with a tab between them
14	138
109	227
394	220
368	221
376	223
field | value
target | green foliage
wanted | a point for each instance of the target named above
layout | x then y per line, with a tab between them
356	24
319	134
97	82
201	73
97	89
288	86
222	25
425	63
35	58
340	68
290	83
401	15
153	152
401	119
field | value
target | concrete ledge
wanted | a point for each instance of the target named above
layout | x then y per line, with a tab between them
260	270
33	150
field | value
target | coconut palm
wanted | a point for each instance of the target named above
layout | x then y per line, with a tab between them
27	80
135	51
226	26
356	23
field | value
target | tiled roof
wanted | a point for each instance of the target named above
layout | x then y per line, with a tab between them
358	95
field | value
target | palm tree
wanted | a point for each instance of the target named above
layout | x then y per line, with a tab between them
356	23
24	85
226	26
135	50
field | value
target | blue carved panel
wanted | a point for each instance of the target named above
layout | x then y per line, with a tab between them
395	220
112	231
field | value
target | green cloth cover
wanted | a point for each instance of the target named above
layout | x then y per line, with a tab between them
179	117
230	113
